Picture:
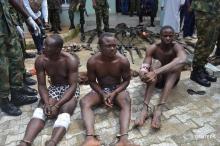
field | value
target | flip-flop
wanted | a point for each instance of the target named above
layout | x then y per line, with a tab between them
192	92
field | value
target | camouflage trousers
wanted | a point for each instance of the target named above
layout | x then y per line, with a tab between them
11	64
71	17
54	18
217	52
102	13
207	32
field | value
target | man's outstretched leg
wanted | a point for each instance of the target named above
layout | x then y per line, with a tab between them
35	125
124	102
62	123
86	104
146	113
170	81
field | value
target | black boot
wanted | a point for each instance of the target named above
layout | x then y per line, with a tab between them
27	74
29	55
209	77
72	27
18	99
199	77
59	28
82	38
29	81
10	108
28	91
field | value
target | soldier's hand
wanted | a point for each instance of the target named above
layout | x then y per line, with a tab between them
39	22
33	24
20	31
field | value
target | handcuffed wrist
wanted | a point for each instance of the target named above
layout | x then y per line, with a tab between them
145	67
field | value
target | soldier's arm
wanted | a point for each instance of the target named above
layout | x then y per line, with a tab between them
19	7
72	64
44	10
178	62
29	10
41	78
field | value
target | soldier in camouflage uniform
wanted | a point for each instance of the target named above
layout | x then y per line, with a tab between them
11	61
77	5
102	12
54	7
18	22
72	9
207	15
133	6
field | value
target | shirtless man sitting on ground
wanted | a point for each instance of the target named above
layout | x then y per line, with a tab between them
109	75
164	74
59	100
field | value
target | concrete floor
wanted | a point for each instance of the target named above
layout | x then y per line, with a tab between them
188	120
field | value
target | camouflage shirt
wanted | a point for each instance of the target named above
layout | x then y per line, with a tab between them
54	4
208	6
74	3
101	2
6	24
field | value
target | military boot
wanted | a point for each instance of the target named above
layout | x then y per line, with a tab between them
10	108
29	81
209	77
28	91
199	77
19	99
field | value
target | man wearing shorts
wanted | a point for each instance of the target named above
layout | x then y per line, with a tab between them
60	98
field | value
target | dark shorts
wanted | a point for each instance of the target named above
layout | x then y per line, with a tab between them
162	80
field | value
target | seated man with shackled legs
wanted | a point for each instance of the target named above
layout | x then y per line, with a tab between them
109	75
60	99
164	74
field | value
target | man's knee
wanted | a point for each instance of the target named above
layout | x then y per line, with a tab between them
70	106
124	99
63	120
39	114
84	103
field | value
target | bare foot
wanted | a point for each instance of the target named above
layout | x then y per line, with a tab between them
23	143
156	121
50	143
91	141
125	142
143	117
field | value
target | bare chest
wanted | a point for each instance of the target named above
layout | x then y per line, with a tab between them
108	69
56	69
165	56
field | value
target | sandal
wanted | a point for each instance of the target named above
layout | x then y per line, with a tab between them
28	143
192	92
